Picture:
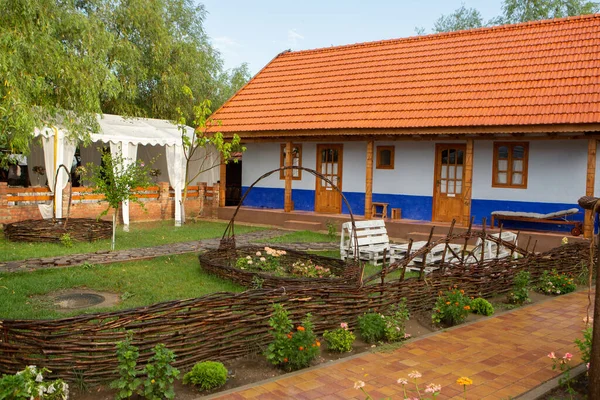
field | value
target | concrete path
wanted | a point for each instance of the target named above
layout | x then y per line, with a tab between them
107	257
505	356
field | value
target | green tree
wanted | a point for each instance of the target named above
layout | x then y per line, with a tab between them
52	69
461	18
202	140
515	11
114	178
229	83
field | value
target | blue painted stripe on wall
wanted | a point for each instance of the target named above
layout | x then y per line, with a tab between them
413	207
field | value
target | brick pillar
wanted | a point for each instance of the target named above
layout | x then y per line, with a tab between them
163	198
4	211
65	199
201	197
215	200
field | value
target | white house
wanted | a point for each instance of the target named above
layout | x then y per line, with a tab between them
445	126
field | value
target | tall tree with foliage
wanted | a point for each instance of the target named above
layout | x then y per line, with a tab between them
52	69
462	18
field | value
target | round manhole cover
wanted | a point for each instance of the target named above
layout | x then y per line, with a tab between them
78	300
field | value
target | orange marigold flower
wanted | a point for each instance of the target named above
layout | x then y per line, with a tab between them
289	336
456	303
300	328
447	303
301	348
462	291
318	344
467	307
285	360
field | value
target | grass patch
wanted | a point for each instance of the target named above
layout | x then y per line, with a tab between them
137	282
142	234
303	237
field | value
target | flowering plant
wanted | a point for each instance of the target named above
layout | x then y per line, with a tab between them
154	172
451	307
431	389
310	270
267	260
81	170
291	349
29	383
555	283
520	291
375	327
38	169
340	340
562	363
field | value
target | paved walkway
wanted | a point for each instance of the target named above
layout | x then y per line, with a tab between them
505	356
107	257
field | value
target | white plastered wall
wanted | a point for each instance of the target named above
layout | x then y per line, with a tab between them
556	172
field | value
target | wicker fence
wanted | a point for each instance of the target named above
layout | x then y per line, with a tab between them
224	326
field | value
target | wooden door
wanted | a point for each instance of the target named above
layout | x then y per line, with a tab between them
329	163
448	189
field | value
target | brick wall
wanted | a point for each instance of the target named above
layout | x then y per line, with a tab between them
158	202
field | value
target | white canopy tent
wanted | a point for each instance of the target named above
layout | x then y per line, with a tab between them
125	136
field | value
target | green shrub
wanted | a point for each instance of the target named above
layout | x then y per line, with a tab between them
372	327
395	323
206	375
451	307
291	350
340	340
585	345
29	384
160	374
520	292
127	356
66	240
482	306
555	283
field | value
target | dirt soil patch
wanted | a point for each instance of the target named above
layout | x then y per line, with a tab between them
73	299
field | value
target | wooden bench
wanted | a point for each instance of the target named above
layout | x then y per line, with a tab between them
556	218
372	240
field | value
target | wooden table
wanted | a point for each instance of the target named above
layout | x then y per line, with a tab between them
374	212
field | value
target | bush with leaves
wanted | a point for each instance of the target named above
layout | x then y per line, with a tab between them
206	375
340	339
128	382
451	307
585	345
372	327
395	322
160	374
482	306
555	283
29	384
291	349
520	291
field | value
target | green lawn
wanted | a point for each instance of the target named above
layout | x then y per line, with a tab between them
138	283
140	235
303	237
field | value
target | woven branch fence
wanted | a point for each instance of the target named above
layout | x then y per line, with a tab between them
224	326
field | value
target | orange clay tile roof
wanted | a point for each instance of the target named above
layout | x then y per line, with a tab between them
537	73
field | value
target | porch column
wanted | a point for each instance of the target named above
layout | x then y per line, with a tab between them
468	183
222	185
369	181
287	202
588	223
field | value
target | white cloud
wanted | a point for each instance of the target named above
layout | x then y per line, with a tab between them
225	43
293	37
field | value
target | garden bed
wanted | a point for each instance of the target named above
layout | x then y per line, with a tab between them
53	230
275	267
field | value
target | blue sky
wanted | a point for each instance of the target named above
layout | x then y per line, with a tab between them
255	31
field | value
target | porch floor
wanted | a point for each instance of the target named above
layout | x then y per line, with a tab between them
400	230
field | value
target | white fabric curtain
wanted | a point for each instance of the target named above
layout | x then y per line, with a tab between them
64	155
129	153
176	169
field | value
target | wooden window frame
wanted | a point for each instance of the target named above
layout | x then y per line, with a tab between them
509	172
282	161
392	150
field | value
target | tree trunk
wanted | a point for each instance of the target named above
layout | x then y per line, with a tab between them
589	203
114	230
